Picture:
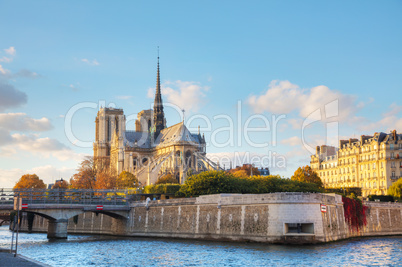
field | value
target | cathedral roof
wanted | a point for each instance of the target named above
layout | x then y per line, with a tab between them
174	134
177	133
140	137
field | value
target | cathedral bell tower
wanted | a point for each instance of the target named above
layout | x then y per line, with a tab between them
159	115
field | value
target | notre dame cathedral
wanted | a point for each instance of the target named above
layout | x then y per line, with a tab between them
153	149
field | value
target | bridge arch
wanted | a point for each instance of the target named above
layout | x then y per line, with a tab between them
58	218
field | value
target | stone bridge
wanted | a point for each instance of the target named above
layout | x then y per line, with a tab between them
57	206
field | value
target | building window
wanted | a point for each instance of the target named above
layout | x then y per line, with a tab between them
391	146
392	155
375	175
393	174
393	164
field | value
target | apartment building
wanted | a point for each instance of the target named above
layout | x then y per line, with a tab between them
372	163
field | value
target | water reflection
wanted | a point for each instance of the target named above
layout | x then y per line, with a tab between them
106	251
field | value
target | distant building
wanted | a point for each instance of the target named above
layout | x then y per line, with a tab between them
264	171
372	163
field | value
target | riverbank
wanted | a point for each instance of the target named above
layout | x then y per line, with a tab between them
290	218
8	259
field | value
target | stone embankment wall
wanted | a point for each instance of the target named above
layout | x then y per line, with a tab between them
272	218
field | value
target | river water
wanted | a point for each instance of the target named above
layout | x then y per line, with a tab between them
83	250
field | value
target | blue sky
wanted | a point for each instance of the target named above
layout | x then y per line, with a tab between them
286	58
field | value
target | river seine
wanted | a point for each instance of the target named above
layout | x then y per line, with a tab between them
83	250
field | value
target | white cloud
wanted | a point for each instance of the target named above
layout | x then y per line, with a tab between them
187	95
43	146
93	62
3	70
22	122
10	51
390	120
283	97
292	141
6	59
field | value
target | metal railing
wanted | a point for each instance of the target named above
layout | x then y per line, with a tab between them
67	196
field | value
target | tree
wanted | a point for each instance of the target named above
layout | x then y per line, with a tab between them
240	173
395	189
126	180
306	174
167	179
105	180
30	181
60	184
246	168
85	177
210	182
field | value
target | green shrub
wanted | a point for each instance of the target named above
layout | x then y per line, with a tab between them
216	182
169	189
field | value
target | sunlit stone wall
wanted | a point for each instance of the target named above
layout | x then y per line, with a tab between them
272	218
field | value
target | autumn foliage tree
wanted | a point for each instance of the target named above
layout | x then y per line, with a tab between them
126	180
61	184
94	174
244	170
307	175
85	176
167	179
30	181
105	180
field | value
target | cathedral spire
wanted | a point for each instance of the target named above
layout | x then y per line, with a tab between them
159	116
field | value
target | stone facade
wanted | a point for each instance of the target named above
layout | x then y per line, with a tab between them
372	163
271	218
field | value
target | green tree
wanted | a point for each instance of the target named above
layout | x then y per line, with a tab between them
395	189
167	179
210	182
30	181
306	174
126	180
